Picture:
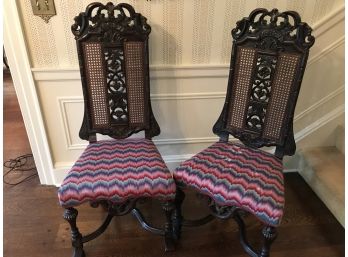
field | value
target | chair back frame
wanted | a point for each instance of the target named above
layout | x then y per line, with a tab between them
112	47
269	55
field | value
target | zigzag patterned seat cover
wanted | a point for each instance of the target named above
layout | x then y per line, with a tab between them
236	175
117	170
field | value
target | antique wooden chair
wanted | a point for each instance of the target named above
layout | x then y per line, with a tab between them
112	45
269	55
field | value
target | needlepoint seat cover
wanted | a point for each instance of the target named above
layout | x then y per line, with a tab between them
237	175
117	170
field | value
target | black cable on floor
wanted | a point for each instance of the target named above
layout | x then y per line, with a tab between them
22	164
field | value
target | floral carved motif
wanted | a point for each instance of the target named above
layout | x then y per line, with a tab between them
273	28
116	85
111	22
260	92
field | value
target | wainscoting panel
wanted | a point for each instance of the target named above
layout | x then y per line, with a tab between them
186	119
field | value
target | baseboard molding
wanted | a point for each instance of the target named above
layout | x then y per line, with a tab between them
290	171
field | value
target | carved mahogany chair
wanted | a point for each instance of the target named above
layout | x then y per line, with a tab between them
269	55
112	45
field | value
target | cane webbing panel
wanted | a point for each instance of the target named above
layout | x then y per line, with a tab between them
283	81
240	89
96	84
134	63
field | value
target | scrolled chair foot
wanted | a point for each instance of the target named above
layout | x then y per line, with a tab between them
70	215
168	208
269	235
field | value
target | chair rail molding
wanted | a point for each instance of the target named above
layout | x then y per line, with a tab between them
23	81
171	72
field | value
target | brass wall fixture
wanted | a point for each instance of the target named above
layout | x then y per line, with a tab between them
44	9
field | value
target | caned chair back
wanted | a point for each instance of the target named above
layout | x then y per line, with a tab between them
112	46
269	55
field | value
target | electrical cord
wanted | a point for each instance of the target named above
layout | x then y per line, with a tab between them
20	164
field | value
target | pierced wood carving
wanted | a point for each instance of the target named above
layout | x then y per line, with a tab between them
112	23
274	28
116	83
270	51
260	92
125	106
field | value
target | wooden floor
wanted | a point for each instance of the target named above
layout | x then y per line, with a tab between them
33	225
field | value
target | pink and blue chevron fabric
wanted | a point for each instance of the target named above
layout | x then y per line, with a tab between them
236	175
117	170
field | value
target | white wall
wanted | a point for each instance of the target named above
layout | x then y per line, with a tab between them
190	48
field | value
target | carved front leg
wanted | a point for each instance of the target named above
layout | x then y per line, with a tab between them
168	208
269	235
70	215
177	217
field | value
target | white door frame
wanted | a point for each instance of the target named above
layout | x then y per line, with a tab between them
18	60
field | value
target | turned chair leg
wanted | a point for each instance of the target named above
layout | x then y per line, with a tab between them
269	235
168	208
70	215
177	218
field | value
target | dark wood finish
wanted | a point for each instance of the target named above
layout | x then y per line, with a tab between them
269	235
168	208
139	216
70	216
226	212
112	33
99	231
268	39
118	210
177	215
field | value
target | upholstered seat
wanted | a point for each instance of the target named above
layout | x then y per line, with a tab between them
117	170
236	175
